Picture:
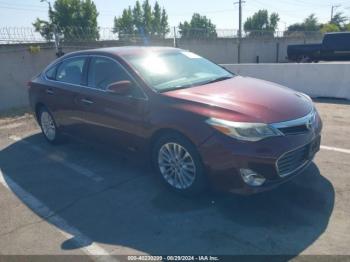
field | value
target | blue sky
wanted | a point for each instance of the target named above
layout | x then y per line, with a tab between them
223	13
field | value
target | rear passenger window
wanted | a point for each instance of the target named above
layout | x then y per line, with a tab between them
104	71
71	71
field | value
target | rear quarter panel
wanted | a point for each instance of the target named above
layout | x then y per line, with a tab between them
36	92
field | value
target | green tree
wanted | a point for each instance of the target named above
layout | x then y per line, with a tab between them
74	19
147	18
138	16
198	27
339	20
309	26
124	24
45	29
311	23
157	19
142	20
261	23
164	25
330	27
347	27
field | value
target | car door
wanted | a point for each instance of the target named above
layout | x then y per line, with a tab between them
63	82
117	119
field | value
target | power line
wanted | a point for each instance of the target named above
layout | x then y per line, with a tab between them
24	5
334	7
202	12
292	10
22	9
240	28
303	3
298	3
36	9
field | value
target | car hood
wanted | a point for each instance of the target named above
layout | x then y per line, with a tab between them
244	99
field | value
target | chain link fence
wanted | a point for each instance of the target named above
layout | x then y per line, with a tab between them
223	46
18	35
14	35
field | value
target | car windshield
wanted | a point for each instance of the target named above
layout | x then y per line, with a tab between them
176	70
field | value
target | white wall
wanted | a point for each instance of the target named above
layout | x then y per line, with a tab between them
225	50
217	50
316	80
16	69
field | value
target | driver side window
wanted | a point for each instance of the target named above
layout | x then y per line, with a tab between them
104	71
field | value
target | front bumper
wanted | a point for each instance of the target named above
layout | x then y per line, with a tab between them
223	157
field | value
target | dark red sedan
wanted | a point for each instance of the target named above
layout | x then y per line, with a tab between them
202	124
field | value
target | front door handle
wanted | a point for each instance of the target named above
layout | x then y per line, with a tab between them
86	101
50	92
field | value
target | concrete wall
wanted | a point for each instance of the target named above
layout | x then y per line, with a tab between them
16	68
218	50
316	80
225	50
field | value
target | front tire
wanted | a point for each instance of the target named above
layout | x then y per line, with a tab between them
179	165
48	126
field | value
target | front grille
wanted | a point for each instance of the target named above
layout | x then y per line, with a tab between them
298	126
292	161
294	130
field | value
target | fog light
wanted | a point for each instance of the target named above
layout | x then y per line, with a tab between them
252	178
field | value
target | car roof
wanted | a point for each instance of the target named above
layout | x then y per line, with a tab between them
338	33
126	50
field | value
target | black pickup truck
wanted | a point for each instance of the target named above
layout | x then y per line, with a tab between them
334	47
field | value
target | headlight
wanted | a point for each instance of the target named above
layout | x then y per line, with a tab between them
244	131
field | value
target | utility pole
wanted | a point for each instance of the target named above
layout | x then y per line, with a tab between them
240	19
333	9
240	2
55	31
175	42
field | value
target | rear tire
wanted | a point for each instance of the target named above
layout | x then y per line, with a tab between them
48	126
306	59
178	164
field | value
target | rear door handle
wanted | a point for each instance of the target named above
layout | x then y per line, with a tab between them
50	92
86	101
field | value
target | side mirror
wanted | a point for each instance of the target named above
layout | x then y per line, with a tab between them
120	87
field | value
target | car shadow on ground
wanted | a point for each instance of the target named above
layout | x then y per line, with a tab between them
140	214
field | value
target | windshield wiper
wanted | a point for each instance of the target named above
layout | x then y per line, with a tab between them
174	88
218	79
195	84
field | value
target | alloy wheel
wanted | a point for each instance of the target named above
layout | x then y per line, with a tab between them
176	165
48	125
